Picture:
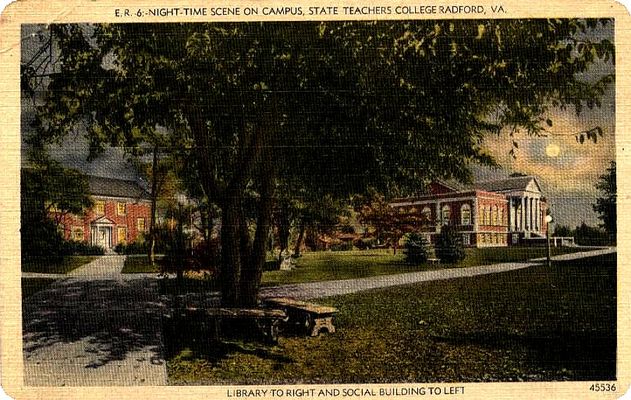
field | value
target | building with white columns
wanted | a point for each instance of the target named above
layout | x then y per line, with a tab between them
487	214
527	206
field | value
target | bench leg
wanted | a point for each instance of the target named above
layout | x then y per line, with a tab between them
270	329
322	324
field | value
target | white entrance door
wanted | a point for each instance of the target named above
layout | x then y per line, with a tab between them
103	236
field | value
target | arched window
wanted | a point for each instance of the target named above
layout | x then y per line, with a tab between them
500	216
465	214
426	214
446	214
494	215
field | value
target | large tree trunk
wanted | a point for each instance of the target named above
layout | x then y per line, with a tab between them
231	261
301	236
252	271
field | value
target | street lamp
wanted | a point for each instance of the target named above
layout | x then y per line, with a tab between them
548	219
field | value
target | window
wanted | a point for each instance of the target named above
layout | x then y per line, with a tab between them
52	207
446	214
426	214
465	214
99	207
500	216
494	216
485	215
140	224
121	208
122	234
77	233
466	239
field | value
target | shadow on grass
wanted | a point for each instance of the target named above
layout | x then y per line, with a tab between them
198	339
589	356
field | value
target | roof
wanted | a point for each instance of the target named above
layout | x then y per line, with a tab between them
508	184
113	187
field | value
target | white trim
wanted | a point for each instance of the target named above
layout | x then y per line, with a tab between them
132	200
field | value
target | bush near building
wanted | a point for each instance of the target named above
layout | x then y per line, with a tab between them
449	248
416	248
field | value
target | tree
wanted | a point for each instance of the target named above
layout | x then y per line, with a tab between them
375	211
606	204
449	248
416	248
335	107
48	192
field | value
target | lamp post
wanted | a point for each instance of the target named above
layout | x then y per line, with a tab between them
548	219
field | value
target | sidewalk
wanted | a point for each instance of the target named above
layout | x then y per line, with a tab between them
94	328
313	290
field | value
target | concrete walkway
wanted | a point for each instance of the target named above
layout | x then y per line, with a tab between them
94	328
315	290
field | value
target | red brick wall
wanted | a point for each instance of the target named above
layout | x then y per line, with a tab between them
134	210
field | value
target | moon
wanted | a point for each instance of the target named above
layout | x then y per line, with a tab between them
553	150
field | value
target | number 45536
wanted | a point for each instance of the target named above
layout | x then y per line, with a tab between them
603	387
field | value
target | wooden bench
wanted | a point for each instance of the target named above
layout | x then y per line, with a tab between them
313	317
433	261
267	320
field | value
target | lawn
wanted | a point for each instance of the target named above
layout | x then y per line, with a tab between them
535	324
139	264
328	265
49	266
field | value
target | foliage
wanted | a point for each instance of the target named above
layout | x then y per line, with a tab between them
365	243
374	211
585	235
416	248
136	247
76	248
48	192
606	204
342	246
251	104
563	231
449	248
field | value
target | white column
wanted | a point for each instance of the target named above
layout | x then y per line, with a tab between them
537	216
475	215
532	214
524	212
439	217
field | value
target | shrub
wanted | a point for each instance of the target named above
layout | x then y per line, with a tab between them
342	246
449	248
416	248
365	243
137	247
76	248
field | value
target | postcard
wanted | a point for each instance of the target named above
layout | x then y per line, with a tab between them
314	200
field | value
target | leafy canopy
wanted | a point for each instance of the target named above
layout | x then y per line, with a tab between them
384	104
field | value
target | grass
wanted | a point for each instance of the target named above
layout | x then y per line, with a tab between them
535	324
324	266
30	286
139	264
51	266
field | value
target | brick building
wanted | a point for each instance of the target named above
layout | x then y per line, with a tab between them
121	214
488	214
